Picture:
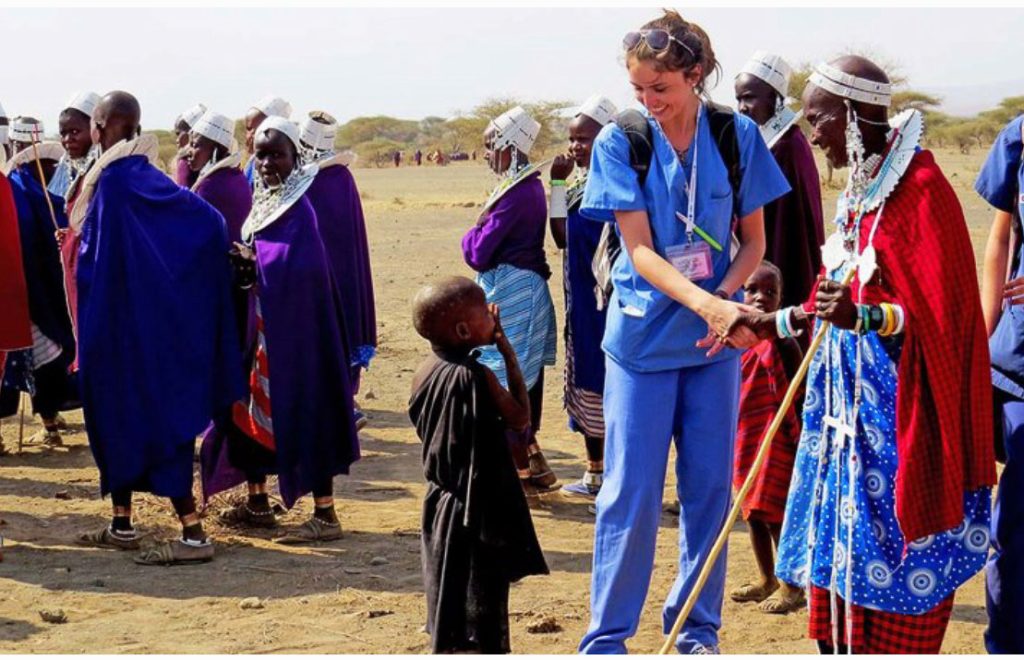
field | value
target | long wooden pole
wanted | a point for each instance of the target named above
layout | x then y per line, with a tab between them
42	178
762	453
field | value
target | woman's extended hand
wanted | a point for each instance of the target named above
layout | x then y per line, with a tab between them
727	326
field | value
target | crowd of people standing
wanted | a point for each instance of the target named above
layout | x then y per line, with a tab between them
235	302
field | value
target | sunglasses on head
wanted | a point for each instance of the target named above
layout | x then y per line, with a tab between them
656	39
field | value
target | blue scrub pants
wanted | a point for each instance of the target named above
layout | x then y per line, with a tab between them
697	406
1004	573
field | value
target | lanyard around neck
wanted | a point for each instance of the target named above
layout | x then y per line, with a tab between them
691	189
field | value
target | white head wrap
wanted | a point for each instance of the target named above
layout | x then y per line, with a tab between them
274	106
515	128
280	124
3	129
216	127
26	132
84	102
848	86
316	134
599	108
3	113
770	68
192	115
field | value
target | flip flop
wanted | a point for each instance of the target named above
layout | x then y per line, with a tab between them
108	538
753	593
780	603
176	553
241	515
313	530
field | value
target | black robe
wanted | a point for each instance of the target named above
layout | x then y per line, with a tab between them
478	536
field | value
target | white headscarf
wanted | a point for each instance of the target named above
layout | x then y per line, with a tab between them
84	102
192	115
274	106
851	87
770	68
515	128
26	132
276	123
216	127
3	129
599	108
318	131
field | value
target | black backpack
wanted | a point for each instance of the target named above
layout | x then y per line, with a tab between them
722	121
641	151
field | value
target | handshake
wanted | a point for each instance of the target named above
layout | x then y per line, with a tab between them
737	325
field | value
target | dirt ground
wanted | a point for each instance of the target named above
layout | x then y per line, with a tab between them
362	594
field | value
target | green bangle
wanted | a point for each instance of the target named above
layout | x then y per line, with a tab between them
557	182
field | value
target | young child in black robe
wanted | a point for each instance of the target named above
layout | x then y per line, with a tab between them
478	537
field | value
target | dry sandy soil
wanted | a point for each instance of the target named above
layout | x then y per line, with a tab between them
362	594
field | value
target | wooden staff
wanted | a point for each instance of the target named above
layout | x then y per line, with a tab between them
762	453
21	423
42	178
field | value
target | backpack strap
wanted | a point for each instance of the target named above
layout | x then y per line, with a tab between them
722	121
641	142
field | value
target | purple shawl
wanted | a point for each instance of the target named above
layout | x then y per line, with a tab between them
339	214
310	393
793	223
158	351
228	191
512	231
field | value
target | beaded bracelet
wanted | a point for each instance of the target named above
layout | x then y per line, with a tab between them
784	324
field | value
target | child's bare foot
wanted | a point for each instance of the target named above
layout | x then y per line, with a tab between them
755	593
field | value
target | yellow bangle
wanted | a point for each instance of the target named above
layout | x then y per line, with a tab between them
890	320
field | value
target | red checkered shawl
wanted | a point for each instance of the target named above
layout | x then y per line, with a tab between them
943	398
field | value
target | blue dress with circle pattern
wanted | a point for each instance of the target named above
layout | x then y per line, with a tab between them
834	497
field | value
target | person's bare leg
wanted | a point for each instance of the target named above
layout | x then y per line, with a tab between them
761	543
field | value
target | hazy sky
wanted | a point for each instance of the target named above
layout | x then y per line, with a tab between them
413	63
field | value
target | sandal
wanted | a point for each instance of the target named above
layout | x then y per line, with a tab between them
177	553
753	593
109	538
241	515
313	530
784	602
540	473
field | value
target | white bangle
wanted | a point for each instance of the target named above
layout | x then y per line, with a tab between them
559	203
793	332
780	324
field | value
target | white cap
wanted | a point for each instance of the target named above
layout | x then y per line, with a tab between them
3	129
599	108
216	127
274	106
26	132
192	115
3	113
280	124
770	68
318	131
515	128
84	102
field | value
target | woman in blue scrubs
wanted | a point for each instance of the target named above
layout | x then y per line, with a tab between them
672	364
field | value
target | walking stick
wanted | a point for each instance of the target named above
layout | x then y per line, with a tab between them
762	453
42	178
21	423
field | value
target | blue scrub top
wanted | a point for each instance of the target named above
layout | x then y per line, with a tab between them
648	331
1000	183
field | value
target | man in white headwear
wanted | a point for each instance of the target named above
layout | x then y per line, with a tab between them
584	316
183	125
268	106
506	248
339	212
76	138
793	225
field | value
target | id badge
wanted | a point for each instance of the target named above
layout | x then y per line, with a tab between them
692	260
